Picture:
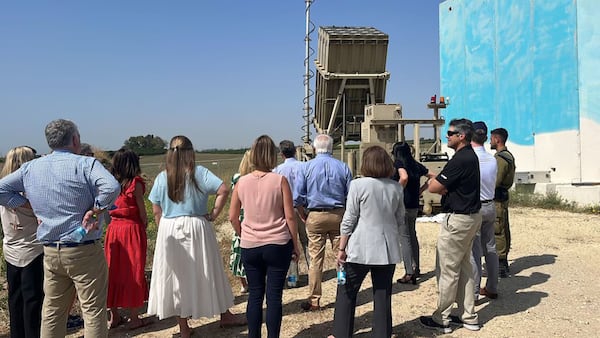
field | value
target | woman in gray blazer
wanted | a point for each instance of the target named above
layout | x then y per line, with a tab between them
369	242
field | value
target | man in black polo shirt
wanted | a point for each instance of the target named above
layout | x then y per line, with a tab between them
459	185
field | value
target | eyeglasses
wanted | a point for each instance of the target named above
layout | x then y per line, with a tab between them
452	132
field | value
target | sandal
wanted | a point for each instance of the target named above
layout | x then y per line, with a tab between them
235	320
143	322
408	279
115	323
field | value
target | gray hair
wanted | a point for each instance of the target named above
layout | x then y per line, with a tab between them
323	144
463	126
59	133
86	150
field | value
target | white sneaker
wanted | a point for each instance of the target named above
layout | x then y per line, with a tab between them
471	327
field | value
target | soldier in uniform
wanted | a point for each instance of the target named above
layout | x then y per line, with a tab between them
504	180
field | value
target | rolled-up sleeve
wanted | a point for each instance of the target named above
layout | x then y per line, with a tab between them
11	187
108	187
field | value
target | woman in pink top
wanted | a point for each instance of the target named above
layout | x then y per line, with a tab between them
268	234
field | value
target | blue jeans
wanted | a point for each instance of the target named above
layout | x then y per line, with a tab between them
266	267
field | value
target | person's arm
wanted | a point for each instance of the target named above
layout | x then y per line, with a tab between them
157	212
502	171
403	177
220	200
302	213
341	255
349	222
290	216
234	211
11	187
436	187
107	186
300	191
425	185
138	192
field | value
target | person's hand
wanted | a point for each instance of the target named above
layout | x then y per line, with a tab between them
341	257
295	255
90	221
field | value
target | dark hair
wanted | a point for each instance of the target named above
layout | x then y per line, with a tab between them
501	132
287	148
376	163
402	152
479	136
263	154
125	166
463	126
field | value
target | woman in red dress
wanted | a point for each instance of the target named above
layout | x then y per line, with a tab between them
125	244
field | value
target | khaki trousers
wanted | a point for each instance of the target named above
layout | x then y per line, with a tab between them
321	225
502	230
67	271
454	271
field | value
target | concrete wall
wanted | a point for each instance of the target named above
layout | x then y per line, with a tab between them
532	67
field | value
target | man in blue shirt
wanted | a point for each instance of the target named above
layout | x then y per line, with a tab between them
67	191
320	191
290	168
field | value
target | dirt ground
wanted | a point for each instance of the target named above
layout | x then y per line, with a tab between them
553	261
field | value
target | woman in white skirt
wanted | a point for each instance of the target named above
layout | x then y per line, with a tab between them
188	279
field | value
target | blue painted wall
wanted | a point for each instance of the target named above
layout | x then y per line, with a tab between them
513	64
588	39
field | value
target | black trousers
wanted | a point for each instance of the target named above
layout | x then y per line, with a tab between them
345	301
25	298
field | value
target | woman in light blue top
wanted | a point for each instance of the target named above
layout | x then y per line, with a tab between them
188	279
370	242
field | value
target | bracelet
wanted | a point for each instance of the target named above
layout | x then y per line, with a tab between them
342	249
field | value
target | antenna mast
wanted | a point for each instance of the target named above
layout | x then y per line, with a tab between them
308	74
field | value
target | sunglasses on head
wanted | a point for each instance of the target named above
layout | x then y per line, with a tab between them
452	132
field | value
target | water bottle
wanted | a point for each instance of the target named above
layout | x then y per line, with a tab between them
78	234
341	275
292	275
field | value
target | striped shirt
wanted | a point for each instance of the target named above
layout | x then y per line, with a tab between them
61	187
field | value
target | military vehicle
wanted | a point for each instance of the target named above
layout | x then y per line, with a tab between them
350	103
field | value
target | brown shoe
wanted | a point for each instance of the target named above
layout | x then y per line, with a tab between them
484	292
307	306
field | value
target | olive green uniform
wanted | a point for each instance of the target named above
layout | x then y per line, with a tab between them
504	180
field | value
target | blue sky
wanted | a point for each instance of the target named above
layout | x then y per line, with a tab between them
220	72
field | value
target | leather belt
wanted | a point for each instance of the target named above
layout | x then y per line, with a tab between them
487	201
68	244
323	209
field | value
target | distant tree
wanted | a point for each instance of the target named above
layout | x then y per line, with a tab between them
146	145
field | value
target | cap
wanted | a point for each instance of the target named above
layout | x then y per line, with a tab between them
480	125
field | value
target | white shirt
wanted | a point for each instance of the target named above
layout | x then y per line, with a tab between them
488	168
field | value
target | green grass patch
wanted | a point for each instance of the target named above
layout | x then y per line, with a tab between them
551	201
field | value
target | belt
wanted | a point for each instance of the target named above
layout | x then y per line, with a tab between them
465	212
323	209
68	244
487	201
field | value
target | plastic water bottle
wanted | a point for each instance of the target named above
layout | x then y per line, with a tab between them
78	234
292	275
341	275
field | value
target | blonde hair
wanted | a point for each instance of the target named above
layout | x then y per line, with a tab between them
181	167
245	165
15	158
263	154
